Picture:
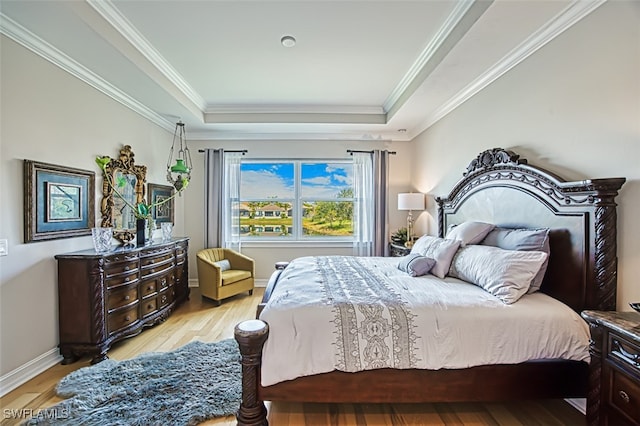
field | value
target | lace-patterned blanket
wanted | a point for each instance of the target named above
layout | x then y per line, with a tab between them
359	313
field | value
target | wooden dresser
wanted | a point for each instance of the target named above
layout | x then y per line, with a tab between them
103	298
614	372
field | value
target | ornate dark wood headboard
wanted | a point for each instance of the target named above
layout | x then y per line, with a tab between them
501	188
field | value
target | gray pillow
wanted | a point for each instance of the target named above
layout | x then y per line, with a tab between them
522	239
506	274
440	249
224	264
416	265
469	232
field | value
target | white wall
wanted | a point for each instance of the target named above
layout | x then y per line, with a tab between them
572	108
50	116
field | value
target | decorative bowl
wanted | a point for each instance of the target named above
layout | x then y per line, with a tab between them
635	306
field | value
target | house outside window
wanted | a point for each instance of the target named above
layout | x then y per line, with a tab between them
296	200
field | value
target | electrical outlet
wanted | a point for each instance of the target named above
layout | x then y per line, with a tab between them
4	247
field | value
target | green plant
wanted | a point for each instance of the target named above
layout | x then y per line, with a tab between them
400	236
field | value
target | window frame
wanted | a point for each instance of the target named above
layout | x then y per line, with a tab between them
297	236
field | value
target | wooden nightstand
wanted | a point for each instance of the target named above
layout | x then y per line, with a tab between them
614	372
396	250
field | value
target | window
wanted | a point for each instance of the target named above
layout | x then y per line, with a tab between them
296	200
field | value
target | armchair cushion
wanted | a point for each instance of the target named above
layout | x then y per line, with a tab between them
231	276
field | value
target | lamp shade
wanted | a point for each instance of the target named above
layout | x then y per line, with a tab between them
411	201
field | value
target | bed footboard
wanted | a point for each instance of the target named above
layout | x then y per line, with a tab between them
251	336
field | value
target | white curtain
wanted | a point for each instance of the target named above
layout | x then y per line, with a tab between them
371	193
231	211
222	198
363	207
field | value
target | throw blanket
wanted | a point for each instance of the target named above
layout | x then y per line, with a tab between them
374	327
360	313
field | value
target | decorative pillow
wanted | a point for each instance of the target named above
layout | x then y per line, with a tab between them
522	240
439	249
469	232
506	274
223	264
416	265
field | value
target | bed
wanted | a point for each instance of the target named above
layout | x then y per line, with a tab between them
499	188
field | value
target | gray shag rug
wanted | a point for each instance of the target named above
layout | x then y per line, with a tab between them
196	382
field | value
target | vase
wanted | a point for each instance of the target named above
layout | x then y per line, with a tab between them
102	239
141	229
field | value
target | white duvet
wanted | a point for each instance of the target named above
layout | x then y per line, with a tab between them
357	313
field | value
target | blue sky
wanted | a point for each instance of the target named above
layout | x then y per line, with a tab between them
276	180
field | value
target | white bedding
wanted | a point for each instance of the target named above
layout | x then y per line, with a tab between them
404	322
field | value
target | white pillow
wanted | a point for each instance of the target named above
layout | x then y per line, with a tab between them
439	249
470	232
506	274
224	264
525	240
416	265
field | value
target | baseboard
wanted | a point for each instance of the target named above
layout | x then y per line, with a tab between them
28	371
193	282
579	404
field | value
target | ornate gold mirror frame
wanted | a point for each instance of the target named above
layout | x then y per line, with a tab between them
129	179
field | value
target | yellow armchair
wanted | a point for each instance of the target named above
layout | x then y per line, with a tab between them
223	273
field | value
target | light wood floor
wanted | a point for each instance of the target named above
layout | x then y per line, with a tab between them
198	319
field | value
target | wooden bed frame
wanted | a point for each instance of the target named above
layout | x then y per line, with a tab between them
497	187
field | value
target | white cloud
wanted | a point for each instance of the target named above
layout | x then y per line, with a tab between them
263	184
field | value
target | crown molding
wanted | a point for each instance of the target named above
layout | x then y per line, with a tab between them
112	15
443	41
553	28
24	37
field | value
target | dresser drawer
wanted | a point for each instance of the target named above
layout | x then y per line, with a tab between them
156	256
122	297
148	288
165	298
149	306
121	264
625	352
624	394
158	268
121	280
120	320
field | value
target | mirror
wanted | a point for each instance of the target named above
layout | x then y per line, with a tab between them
129	179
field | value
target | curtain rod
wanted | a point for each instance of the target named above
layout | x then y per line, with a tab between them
351	151
243	151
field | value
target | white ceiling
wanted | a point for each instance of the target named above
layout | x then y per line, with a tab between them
361	69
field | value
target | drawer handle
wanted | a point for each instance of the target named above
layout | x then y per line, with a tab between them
149	306
164	299
163	282
127	318
126	279
149	288
624	396
127	297
126	268
635	358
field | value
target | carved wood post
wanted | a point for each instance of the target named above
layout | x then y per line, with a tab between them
596	345
250	336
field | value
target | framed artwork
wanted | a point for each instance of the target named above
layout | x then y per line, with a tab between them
58	201
157	194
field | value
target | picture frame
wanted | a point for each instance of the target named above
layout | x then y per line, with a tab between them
157	193
58	201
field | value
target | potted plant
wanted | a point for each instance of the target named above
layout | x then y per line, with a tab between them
399	237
